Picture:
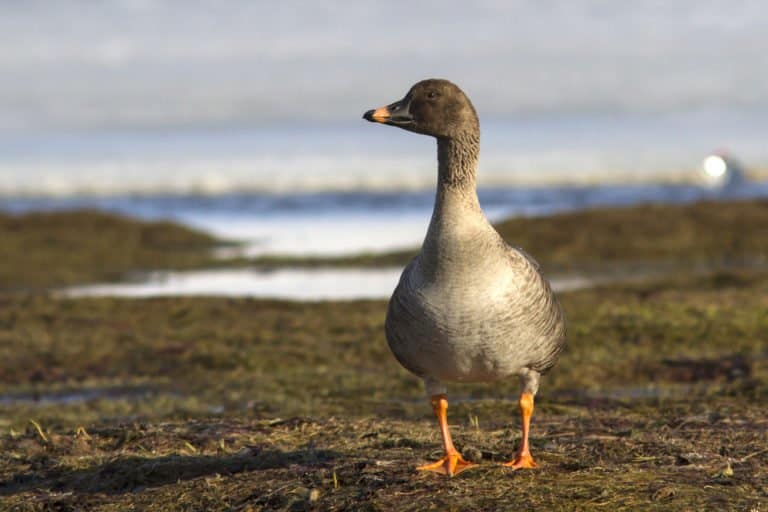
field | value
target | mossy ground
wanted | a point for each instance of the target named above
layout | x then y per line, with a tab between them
659	402
242	403
40	250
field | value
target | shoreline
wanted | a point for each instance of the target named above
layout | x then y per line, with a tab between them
44	250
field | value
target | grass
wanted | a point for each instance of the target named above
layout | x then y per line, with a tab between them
658	402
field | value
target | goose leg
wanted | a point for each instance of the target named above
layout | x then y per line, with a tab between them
453	463
523	459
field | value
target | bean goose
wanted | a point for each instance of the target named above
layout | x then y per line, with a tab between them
468	307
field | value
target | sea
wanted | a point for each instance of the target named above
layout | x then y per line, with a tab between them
243	118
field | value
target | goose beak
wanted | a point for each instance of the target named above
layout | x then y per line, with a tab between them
396	114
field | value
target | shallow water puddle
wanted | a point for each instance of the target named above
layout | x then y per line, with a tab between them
68	397
289	283
292	284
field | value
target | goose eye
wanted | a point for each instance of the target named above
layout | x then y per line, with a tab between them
431	95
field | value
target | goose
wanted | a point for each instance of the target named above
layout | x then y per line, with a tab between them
468	307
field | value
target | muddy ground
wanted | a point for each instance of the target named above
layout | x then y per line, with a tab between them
658	403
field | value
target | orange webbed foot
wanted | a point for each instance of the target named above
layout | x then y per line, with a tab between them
522	460
452	464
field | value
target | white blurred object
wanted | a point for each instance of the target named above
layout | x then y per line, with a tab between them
720	170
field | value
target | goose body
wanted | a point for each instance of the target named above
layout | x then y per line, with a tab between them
468	307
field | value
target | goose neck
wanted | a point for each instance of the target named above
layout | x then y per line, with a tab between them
457	161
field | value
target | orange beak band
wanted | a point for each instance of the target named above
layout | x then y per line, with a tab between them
395	114
380	115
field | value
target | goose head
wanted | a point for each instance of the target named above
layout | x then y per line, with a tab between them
433	107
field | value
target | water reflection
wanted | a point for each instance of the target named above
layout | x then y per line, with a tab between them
289	283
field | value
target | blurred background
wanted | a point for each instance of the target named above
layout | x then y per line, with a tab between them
243	118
